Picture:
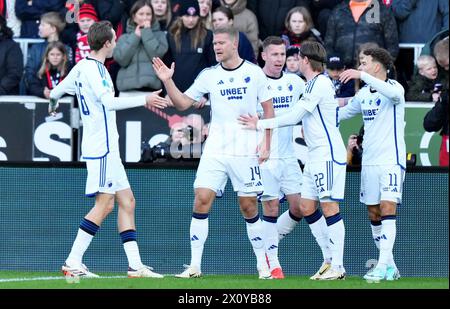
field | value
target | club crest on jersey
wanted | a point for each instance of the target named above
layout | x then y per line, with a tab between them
378	101
290	87
247	79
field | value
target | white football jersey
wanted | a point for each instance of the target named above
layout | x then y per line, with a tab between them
89	81
285	91
232	93
320	124
384	123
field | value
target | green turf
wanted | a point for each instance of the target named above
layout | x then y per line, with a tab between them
213	282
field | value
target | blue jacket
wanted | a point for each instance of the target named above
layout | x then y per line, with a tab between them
420	20
31	14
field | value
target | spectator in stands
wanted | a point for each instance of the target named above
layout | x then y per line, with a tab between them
163	13
360	21
272	13
7	10
425	85
52	71
30	12
223	17
110	10
335	67
293	61
205	12
136	48
190	45
87	17
11	61
411	13
437	120
321	11
299	28
244	21
50	27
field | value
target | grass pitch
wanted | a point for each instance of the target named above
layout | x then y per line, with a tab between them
40	280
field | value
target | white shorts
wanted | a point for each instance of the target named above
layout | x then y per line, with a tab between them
106	175
381	183
244	173
324	181
280	177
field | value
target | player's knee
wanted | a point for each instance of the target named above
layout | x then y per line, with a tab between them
203	201
129	204
249	207
374	213
107	205
296	210
271	208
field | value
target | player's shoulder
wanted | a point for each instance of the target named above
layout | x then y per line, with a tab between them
209	70
250	66
396	84
320	83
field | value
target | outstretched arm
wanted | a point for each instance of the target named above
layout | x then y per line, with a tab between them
151	100
179	99
296	114
387	89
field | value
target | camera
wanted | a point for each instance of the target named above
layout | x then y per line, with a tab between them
437	88
171	151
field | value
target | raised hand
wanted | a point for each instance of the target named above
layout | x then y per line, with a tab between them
161	70
154	100
349	74
249	122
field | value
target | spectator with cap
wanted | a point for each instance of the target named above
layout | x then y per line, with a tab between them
293	61
335	67
86	18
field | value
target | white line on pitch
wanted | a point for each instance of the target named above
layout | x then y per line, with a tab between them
53	278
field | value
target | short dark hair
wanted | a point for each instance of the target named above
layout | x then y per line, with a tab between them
99	33
226	11
4	29
381	56
272	40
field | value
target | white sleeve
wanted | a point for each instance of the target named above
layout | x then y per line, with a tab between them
263	87
113	103
199	87
389	89
350	110
295	114
67	85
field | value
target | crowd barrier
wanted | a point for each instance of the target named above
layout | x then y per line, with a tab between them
42	204
28	134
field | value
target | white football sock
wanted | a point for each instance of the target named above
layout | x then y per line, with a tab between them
198	234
